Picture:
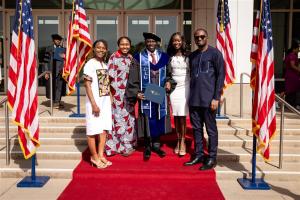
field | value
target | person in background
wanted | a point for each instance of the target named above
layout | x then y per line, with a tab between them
153	117
207	81
54	64
122	138
180	73
98	103
292	73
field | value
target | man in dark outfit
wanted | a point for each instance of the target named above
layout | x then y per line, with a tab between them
55	65
207	81
151	68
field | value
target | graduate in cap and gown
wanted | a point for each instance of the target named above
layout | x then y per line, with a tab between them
154	119
54	62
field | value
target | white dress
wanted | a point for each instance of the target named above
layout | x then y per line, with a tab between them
181	74
98	72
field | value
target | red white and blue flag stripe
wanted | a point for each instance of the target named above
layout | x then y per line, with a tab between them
224	42
22	79
78	44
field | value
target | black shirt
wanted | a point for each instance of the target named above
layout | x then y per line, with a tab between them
207	76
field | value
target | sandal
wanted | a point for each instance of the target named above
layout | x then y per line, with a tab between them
98	164
182	150
105	161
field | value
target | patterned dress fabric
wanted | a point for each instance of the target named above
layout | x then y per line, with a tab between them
122	138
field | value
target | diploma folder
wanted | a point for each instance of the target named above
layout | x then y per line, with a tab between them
155	93
58	53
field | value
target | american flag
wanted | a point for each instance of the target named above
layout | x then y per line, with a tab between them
253	55
263	111
78	44
22	79
224	42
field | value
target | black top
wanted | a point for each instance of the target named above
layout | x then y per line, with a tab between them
207	77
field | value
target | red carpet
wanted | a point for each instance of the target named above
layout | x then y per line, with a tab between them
132	178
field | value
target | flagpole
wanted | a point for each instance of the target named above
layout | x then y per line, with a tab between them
33	180
78	114
219	116
254	183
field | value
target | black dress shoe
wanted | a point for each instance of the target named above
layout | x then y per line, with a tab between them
159	152
194	161
147	153
211	163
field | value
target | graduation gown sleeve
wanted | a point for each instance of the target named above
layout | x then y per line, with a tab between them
133	83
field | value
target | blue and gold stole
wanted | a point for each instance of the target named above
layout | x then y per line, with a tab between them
145	67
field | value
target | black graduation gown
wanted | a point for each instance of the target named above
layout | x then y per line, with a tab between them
132	88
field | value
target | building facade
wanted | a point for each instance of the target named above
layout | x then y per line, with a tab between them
110	19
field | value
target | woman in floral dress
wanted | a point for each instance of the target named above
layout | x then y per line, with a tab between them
122	138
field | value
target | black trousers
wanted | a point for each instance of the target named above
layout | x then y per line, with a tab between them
200	116
149	141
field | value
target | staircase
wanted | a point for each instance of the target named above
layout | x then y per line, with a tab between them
63	140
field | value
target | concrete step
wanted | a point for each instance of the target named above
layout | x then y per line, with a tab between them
53	168
54	119
224	141
59	152
51	141
224	170
82	129
231	121
232	154
269	172
243	121
50	129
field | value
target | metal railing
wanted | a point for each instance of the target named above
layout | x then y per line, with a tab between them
4	101
291	108
283	104
51	89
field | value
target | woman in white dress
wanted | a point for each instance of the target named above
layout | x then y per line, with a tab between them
98	103
180	72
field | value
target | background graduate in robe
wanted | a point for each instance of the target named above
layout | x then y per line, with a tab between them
151	67
55	65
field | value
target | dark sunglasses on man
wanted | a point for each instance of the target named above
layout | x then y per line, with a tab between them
202	37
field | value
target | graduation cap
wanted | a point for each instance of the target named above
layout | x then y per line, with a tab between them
56	37
151	36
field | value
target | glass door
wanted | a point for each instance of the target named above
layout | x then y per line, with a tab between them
162	25
165	26
106	28
136	25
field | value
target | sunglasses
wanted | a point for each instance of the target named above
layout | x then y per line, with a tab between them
197	37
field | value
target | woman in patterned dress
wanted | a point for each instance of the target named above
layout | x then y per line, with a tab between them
122	138
179	68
